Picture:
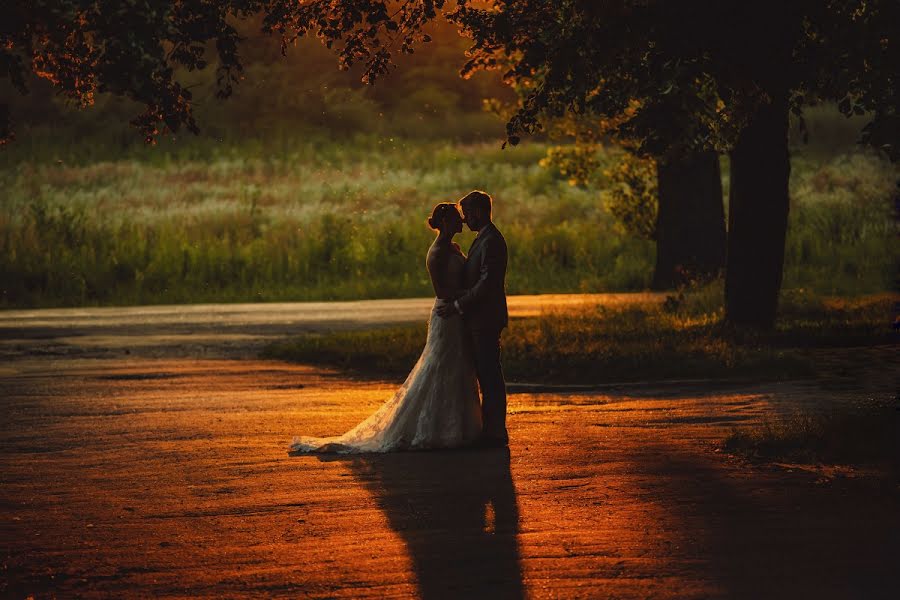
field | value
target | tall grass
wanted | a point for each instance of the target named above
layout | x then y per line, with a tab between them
323	220
842	229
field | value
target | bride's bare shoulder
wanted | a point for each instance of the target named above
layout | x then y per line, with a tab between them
437	253
442	254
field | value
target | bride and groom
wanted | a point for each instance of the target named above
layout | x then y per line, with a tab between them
438	405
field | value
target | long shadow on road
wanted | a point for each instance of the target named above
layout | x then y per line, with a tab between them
456	511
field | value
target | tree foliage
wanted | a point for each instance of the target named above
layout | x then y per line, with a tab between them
578	163
130	49
140	50
630	193
730	57
571	56
633	195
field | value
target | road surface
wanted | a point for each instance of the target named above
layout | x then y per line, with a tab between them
234	330
137	475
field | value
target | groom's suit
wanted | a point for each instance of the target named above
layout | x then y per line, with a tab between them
484	311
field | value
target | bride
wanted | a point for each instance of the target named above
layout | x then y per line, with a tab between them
438	405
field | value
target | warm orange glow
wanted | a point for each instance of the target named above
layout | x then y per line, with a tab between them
176	472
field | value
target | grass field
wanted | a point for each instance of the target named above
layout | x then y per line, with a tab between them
681	339
324	220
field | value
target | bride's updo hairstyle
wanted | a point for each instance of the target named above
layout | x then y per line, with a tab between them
440	212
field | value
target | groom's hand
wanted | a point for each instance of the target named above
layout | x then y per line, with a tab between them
446	310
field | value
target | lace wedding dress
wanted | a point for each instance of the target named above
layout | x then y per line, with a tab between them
436	407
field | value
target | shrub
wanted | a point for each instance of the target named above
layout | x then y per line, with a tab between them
632	195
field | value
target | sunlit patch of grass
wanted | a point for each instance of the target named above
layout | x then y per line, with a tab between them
602	344
634	343
867	431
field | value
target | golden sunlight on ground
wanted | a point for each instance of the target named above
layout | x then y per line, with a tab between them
237	329
171	478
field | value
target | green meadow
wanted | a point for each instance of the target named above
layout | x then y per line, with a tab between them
319	219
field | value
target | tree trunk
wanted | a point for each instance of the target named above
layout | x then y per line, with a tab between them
690	223
757	217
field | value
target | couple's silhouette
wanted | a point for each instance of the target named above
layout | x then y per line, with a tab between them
438	405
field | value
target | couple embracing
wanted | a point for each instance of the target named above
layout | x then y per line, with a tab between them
438	405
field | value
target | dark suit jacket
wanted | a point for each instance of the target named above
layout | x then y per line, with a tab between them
484	302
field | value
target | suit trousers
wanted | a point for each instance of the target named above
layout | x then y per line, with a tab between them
486	349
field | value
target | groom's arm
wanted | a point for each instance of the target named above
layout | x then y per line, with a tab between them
493	270
450	308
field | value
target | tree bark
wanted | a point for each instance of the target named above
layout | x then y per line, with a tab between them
690	222
757	217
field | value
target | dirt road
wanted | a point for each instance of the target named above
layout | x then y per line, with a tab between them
134	476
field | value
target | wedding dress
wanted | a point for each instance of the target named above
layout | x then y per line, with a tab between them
436	407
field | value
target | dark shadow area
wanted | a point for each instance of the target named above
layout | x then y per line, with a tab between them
457	513
779	534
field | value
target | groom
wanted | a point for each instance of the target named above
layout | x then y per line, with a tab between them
483	308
